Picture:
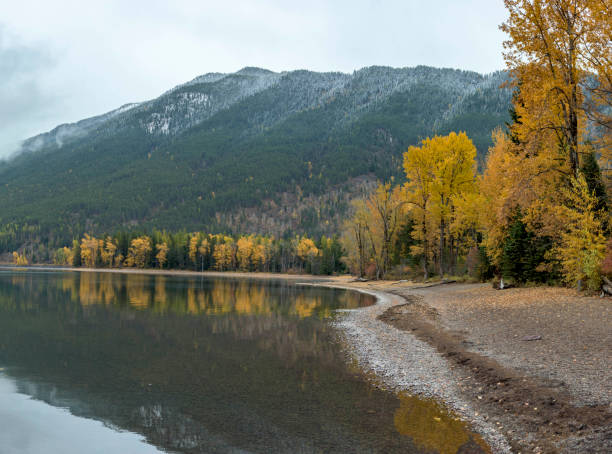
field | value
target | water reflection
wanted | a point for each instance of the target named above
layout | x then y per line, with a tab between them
210	297
32	427
213	365
433	428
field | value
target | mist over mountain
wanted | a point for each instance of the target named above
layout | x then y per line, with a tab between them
250	151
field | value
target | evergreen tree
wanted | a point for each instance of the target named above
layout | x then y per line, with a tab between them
523	253
76	257
592	174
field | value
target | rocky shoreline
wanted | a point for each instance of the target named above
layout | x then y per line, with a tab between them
402	362
407	345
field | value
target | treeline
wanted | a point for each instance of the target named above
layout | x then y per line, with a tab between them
201	252
540	210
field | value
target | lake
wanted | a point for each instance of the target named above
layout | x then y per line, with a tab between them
110	362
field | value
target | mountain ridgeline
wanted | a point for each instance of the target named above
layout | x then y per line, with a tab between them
252	151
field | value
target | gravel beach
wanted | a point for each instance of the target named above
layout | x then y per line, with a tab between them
528	368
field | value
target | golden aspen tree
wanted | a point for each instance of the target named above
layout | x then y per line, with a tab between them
194	240
19	259
420	166
543	55
204	248
260	256
224	254
307	250
244	252
454	177
354	238
441	171
384	208
63	256
107	251
89	251
513	180
137	252
582	247
497	193
556	50
162	254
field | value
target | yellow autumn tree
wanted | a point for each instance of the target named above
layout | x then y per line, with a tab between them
383	210
419	167
89	251
63	256
19	259
543	55
204	248
138	251
261	253
556	50
454	179
194	240
162	254
307	250
440	173
354	238
225	254
499	189
370	232
583	245
514	179
107	248
245	249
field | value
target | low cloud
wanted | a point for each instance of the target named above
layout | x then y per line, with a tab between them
26	104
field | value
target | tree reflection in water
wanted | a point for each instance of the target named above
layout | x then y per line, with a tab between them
435	429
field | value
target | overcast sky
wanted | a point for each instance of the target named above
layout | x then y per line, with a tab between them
64	60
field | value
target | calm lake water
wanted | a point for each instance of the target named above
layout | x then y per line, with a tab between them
125	363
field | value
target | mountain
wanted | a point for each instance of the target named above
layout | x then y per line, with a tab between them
250	151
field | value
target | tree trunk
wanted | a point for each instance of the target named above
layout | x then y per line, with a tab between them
452	254
573	107
425	251
442	241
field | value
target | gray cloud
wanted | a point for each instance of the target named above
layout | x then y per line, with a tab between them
24	100
65	60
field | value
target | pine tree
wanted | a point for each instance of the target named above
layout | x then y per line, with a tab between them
523	253
592	174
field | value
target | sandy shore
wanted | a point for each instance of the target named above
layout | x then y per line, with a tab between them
529	369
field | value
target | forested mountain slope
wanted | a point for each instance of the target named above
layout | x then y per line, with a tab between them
249	151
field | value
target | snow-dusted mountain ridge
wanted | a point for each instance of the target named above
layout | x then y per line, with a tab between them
191	103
